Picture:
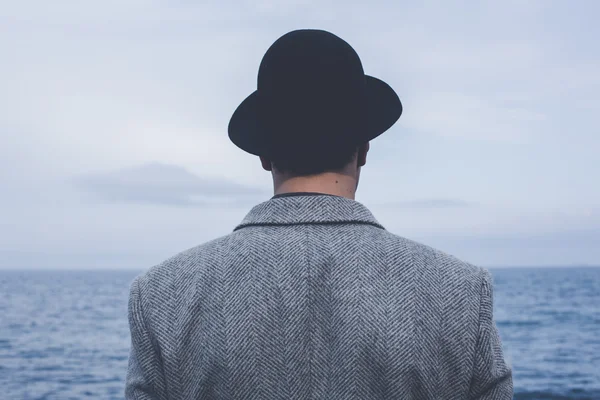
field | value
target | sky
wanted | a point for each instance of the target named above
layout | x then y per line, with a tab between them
113	125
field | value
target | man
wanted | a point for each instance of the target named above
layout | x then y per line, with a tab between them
310	297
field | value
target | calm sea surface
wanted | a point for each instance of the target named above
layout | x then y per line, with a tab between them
64	334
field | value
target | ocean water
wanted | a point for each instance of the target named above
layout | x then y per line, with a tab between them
64	334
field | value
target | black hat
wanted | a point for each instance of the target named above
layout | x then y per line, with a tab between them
312	91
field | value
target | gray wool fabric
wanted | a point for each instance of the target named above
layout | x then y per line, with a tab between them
311	298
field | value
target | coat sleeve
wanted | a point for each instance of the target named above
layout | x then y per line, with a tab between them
145	377
492	376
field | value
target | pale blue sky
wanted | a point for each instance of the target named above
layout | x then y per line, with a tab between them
113	119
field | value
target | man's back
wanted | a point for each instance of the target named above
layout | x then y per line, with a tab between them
311	298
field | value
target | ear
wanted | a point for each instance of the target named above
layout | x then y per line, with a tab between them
362	154
266	164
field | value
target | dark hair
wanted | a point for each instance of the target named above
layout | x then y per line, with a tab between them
319	159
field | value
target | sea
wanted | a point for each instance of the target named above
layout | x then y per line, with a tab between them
64	334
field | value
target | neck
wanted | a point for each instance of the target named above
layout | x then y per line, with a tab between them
333	183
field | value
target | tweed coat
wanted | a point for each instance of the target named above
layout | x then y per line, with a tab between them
311	298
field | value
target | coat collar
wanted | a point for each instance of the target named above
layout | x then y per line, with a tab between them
309	209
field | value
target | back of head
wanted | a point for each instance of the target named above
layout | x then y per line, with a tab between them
315	161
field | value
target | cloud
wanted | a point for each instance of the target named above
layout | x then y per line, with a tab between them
559	248
472	117
163	184
25	260
429	204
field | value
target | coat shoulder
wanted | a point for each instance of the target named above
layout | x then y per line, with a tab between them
182	265
426	257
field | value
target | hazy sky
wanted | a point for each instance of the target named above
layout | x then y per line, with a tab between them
113	125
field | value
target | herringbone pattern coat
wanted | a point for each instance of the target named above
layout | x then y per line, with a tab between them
311	298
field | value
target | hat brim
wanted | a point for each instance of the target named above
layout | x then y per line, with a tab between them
383	108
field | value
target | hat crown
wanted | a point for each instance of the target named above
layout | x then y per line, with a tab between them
310	62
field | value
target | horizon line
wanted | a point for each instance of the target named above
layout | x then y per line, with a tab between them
133	269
